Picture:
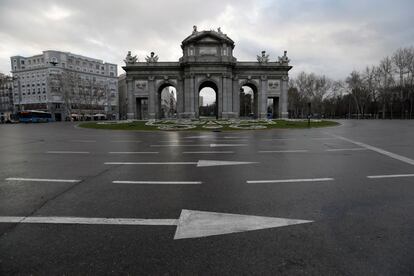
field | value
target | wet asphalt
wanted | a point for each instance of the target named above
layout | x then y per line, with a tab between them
362	226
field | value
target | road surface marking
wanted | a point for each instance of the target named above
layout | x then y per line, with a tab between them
289	180
282	151
206	152
125	141
200	163
83	220
279	139
199	137
133	152
180	145
158	182
190	224
41	180
67	152
381	151
350	149
324	138
227	145
84	141
235	137
202	145
197	224
390	176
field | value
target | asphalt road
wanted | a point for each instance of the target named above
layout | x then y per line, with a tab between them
355	182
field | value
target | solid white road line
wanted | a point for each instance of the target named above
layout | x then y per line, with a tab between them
289	180
200	163
206	152
381	151
180	145
350	149
158	182
41	180
67	152
390	176
282	151
133	152
82	220
150	163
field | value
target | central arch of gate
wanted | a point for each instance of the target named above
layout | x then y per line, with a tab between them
242	88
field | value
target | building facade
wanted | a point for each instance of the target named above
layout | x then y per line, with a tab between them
6	98
207	61
65	84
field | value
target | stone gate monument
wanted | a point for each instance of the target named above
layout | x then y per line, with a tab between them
207	61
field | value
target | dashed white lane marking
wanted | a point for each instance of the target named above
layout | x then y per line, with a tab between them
390	176
41	180
381	151
67	152
133	152
279	139
350	149
324	138
158	182
125	141
82	220
84	141
227	145
289	180
282	151
201	145
206	152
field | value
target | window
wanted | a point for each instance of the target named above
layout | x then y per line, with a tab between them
22	62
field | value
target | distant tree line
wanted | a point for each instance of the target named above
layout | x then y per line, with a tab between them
382	91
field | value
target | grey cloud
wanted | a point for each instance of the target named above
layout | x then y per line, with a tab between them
329	37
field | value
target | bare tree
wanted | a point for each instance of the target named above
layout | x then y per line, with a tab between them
401	60
385	81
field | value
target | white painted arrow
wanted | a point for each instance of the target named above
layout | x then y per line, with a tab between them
200	163
190	224
197	224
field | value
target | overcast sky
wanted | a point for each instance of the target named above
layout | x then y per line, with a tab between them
326	37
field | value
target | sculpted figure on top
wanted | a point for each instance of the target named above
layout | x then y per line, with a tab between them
264	58
284	59
129	59
152	59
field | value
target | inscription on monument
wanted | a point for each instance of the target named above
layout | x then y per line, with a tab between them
208	51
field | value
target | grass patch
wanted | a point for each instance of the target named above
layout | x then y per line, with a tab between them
140	125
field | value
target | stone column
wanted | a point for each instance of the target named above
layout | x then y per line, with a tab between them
283	100
131	101
236	96
151	98
263	98
180	96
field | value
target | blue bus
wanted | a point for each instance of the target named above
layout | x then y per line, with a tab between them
34	116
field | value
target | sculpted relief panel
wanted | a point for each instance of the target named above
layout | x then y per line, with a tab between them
274	85
141	87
